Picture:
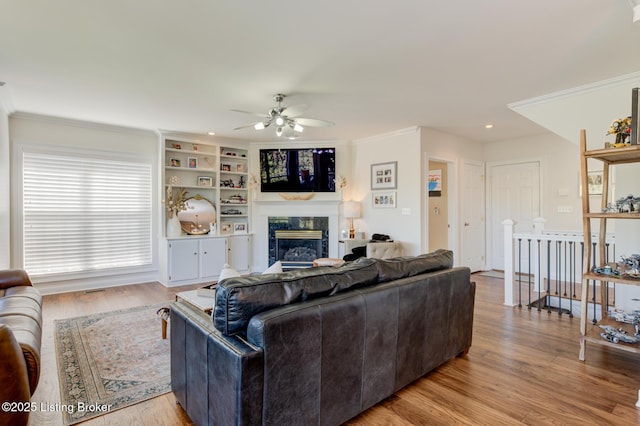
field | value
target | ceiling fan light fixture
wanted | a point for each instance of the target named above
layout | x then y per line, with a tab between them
288	122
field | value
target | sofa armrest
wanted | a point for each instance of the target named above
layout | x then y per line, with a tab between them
13	376
14	278
216	378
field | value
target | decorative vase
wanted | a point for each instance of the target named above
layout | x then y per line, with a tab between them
173	227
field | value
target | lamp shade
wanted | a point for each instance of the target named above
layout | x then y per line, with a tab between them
351	209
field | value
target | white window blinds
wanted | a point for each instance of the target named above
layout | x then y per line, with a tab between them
84	214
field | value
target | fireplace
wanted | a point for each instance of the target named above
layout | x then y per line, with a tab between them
298	241
298	246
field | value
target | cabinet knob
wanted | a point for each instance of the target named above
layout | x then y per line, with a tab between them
195	253
205	252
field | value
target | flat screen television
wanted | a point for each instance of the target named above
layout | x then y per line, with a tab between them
298	170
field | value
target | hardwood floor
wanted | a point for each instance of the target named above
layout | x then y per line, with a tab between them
522	368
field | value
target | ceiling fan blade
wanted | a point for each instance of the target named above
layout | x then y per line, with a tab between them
257	114
294	110
247	125
313	122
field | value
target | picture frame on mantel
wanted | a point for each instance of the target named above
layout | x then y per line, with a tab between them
384	175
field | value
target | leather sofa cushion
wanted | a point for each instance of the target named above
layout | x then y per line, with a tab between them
239	299
408	266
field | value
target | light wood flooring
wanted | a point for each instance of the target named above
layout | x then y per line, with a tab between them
522	368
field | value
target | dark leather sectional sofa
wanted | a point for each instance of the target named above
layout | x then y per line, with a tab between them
318	346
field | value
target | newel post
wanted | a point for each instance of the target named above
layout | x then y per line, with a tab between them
509	262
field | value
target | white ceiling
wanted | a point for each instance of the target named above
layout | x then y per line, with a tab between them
370	67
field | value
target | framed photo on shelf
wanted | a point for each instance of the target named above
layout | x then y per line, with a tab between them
240	168
226	228
193	162
384	175
239	228
225	167
205	181
594	179
174	162
383	200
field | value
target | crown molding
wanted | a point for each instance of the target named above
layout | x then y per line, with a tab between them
633	78
84	124
405	131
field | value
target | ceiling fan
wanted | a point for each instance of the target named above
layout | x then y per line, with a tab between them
286	120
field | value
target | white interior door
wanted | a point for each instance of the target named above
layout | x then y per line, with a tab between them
515	194
472	247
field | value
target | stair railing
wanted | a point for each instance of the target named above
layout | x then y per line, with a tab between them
544	268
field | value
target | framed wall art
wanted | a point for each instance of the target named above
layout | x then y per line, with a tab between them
384	175
384	200
594	178
434	183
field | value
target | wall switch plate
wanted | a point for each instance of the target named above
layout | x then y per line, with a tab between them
565	209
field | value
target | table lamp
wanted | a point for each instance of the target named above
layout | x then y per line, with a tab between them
351	210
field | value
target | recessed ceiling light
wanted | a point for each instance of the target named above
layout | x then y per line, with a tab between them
211	133
488	126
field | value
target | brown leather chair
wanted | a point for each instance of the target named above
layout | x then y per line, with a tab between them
20	342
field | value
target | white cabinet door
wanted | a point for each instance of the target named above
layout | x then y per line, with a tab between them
238	254
212	257
183	260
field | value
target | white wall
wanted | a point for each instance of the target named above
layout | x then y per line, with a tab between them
402	223
5	186
440	146
592	107
28	129
560	174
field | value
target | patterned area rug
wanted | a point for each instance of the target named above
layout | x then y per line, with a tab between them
110	361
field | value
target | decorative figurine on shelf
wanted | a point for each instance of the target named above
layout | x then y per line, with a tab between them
241	183
628	204
621	127
616	335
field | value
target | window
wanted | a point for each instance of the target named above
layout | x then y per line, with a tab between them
84	213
